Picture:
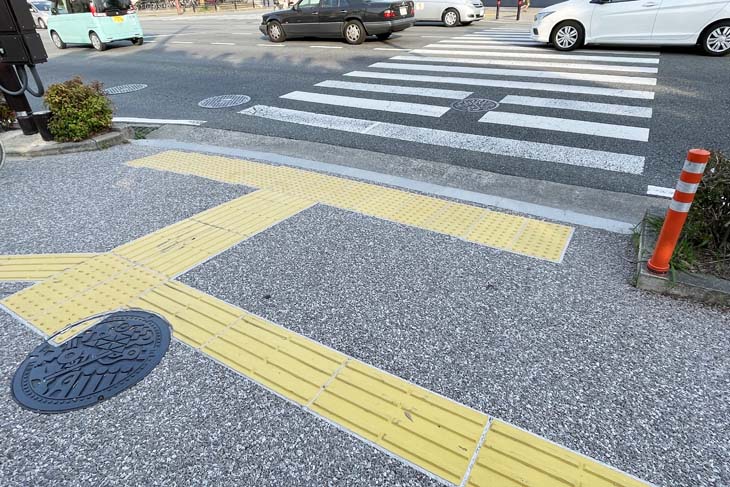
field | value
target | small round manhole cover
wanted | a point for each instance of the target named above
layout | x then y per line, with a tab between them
118	90
224	101
474	105
93	366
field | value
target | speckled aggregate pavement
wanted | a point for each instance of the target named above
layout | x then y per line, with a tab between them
571	351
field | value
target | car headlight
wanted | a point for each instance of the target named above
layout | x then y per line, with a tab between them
542	15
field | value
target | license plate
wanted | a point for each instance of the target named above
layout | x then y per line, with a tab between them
404	11
118	19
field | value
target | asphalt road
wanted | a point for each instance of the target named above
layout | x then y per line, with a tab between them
636	142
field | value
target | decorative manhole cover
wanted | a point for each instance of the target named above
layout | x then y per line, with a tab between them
474	105
93	366
118	90
224	101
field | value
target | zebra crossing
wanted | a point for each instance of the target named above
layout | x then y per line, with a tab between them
588	108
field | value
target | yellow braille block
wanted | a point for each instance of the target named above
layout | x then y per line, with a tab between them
435	433
512	233
511	457
36	267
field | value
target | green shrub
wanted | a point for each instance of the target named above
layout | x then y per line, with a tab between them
7	116
78	111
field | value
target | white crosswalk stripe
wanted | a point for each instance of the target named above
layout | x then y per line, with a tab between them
551	107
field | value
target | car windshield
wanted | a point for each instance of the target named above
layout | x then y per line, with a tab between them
42	6
112	5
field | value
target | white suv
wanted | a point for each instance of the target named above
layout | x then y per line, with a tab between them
571	24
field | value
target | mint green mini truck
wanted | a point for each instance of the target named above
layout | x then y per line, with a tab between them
94	22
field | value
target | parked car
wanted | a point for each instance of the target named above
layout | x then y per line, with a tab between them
352	20
95	22
450	12
40	11
569	25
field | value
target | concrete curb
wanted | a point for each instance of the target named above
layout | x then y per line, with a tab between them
698	287
34	146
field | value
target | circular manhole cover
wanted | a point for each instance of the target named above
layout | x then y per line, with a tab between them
93	366
118	90
474	105
224	101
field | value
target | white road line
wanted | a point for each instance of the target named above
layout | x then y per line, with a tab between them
390	49
613	131
480	42
535	54
326	47
368	104
271	45
512	85
534	64
400	90
542	47
181	42
660	191
435	37
149	42
157	121
580	106
242	33
522	73
222	44
537	151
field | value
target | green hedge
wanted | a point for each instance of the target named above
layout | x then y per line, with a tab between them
7	116
78	110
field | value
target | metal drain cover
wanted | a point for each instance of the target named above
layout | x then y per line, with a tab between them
474	105
118	90
93	366
224	101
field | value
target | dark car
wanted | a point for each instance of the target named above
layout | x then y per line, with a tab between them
352	19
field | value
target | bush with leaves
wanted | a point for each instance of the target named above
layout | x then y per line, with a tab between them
7	115
78	110
704	245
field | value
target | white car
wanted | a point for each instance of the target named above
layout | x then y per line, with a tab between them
570	25
450	12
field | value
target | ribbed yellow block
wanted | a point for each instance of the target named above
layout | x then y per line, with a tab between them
512	233
511	457
36	267
437	434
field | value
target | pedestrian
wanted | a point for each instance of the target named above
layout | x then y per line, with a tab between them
525	4
266	3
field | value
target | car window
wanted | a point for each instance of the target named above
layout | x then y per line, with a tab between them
78	6
329	3
111	5
42	6
308	3
60	6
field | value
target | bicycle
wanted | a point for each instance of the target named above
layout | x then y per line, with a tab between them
2	156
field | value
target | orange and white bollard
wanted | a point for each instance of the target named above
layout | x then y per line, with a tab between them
684	195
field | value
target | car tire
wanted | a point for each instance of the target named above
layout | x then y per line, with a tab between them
42	24
451	17
567	36
57	40
138	41
384	37
96	42
715	40
354	32
466	23
275	31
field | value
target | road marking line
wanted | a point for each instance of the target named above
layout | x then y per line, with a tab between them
512	85
326	47
535	54
37	267
390	49
522	73
537	151
581	106
271	45
435	37
536	64
222	44
614	131
368	103
401	90
497	51
660	191
503	38
544	47
461	41
181	42
158	121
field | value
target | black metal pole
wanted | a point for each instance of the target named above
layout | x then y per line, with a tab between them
18	103
499	4
519	9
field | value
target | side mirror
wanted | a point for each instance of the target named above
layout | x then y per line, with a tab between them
54	11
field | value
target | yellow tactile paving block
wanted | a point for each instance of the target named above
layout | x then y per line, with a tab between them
511	457
434	433
36	267
512	233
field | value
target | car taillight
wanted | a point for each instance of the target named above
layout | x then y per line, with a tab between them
412	10
92	9
389	14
